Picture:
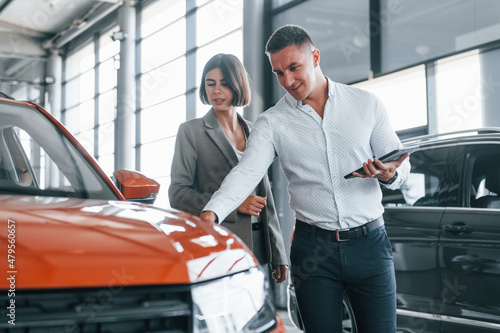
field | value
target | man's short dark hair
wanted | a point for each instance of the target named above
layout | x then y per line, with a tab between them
287	35
234	74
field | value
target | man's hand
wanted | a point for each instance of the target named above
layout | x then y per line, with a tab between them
208	215
253	205
279	273
379	170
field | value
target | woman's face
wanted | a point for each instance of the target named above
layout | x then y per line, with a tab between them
219	94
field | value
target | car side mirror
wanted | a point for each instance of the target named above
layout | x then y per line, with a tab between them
136	187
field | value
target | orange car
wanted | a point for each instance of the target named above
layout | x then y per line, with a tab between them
79	256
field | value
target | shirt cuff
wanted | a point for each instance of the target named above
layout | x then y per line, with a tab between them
216	217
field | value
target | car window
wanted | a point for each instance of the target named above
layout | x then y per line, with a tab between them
30	167
483	179
423	183
36	158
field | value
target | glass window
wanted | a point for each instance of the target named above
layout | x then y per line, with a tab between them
80	89
458	92
107	106
159	14
107	163
87	139
161	152
217	19
108	48
162	120
404	96
340	30
80	118
423	184
79	62
163	83
484	178
455	25
106	133
163	46
108	76
39	160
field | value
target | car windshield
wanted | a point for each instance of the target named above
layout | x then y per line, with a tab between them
37	159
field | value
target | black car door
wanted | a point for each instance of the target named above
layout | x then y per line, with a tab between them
470	245
413	215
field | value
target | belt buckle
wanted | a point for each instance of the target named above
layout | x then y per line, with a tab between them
337	235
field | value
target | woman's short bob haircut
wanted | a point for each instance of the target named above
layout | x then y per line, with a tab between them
233	73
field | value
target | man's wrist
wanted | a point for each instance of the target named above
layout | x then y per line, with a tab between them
392	180
210	215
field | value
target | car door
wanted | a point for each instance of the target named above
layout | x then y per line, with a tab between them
412	216
470	245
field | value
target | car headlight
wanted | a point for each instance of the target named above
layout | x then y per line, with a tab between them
236	303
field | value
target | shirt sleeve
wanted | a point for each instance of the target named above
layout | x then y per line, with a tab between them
385	139
244	177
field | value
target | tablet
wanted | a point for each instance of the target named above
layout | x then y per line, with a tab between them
392	156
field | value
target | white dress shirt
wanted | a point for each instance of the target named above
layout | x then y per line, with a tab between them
315	154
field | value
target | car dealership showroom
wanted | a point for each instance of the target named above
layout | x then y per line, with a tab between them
234	166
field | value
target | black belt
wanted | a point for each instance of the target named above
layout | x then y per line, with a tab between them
257	226
341	234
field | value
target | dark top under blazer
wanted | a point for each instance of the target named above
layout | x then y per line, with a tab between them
203	157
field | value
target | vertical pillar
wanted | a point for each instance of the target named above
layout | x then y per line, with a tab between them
54	70
432	116
490	86
191	79
253	54
125	131
52	103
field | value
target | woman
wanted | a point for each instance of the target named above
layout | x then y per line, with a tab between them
206	150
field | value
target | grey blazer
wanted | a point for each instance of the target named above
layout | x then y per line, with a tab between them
202	158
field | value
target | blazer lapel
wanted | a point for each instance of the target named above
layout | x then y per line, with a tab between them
216	134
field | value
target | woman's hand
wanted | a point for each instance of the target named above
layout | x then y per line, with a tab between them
253	205
279	273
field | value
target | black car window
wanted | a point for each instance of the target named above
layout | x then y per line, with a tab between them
483	179
423	185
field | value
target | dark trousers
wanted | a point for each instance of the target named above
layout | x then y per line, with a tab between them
323	267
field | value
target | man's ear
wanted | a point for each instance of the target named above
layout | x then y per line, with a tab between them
316	57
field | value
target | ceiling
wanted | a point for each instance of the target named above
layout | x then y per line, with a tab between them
29	29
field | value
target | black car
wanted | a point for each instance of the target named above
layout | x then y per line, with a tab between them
444	226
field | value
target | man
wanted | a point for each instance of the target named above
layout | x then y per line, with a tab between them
322	130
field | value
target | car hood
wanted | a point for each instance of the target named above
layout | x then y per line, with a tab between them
62	242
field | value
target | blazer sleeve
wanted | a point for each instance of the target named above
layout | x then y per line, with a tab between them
275	238
182	193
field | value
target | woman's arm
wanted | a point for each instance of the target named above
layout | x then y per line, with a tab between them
182	192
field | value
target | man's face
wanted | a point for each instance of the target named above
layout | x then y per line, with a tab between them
294	67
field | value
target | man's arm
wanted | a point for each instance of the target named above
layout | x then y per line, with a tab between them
382	140
243	178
